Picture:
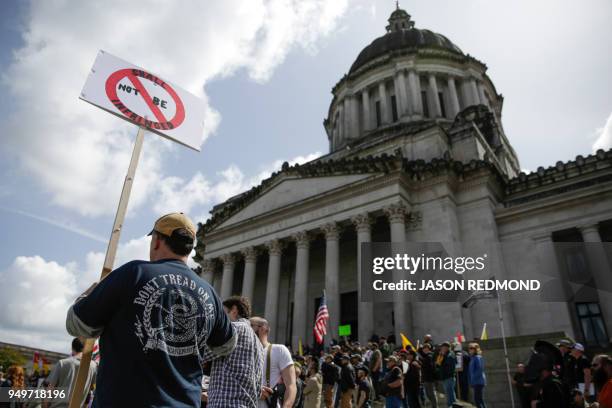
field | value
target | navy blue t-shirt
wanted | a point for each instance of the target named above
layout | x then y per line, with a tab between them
156	318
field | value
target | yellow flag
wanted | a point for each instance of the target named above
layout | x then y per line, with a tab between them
300	349
484	335
406	342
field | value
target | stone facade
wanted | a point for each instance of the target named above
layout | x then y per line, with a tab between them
396	174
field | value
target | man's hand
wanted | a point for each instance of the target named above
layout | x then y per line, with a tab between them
204	396
265	392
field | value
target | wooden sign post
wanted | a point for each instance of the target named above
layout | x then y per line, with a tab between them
78	386
136	95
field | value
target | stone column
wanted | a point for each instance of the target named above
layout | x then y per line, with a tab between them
454	99
347	117
332	276
250	264
367	118
403	93
600	270
399	99
300	291
435	99
481	94
217	282
385	110
208	270
275	250
355	116
228	275
363	226
396	213
334	136
548	267
415	93
341	128
474	92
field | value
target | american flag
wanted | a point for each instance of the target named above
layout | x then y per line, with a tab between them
320	326
95	354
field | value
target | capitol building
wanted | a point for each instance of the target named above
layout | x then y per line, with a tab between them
417	153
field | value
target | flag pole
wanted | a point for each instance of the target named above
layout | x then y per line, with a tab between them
78	385
324	297
503	334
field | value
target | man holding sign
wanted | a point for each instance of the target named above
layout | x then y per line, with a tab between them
155	319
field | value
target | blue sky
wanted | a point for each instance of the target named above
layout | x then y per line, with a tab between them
266	70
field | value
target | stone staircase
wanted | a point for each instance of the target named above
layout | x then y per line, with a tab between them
441	403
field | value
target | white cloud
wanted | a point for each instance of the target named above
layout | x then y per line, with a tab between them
33	285
78	154
177	194
604	136
35	296
287	23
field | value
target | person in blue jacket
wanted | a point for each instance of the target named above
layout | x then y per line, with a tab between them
476	374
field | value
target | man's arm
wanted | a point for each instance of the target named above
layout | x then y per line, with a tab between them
207	354
96	306
223	338
288	375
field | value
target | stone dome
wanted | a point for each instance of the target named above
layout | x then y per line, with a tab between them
403	40
404	80
402	36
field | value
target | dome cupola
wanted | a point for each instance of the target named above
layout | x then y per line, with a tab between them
407	77
399	20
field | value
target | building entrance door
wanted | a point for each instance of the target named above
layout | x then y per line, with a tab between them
349	313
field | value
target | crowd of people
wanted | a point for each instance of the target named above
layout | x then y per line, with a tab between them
168	340
355	375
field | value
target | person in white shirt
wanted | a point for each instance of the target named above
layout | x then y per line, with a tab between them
280	369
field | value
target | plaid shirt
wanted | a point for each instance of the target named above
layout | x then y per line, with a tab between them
235	380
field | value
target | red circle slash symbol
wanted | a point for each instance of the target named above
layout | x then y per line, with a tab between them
133	75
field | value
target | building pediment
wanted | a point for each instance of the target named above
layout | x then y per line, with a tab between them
308	180
292	190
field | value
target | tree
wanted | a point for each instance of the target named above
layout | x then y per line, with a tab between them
9	357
